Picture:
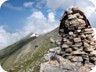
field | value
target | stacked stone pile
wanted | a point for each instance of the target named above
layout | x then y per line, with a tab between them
76	51
78	43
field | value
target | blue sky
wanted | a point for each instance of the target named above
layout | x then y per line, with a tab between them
13	13
19	18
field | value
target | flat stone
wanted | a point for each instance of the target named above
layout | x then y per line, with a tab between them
71	28
65	46
80	48
81	21
78	30
88	30
80	27
78	53
93	58
87	41
85	57
52	40
93	53
76	59
74	23
92	43
70	38
72	16
83	36
77	39
58	43
71	33
51	50
68	57
74	47
65	39
68	41
61	30
66	54
88	49
86	44
79	16
68	50
69	11
77	45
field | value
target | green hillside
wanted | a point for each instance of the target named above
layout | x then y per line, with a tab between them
27	54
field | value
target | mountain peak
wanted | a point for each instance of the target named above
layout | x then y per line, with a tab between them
34	35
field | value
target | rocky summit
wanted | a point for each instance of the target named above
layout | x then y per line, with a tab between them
77	49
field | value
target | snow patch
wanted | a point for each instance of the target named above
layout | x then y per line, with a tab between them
34	34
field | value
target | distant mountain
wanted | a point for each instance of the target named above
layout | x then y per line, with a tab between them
27	54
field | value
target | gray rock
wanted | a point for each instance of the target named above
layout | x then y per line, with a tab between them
93	58
74	23
52	50
78	53
52	40
86	44
93	53
72	16
77	45
77	39
65	46
61	30
88	31
70	33
83	36
78	30
69	50
88	49
76	59
48	56
64	67
82	22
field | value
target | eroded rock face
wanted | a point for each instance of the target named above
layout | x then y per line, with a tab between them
77	51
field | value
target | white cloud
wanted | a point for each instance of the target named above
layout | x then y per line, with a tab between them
55	4
51	17
10	6
38	23
7	38
93	1
28	4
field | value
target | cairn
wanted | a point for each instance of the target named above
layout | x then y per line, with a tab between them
77	47
78	43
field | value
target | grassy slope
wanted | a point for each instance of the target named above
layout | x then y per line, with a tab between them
28	57
14	47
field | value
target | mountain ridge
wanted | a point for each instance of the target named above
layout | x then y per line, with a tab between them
30	55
